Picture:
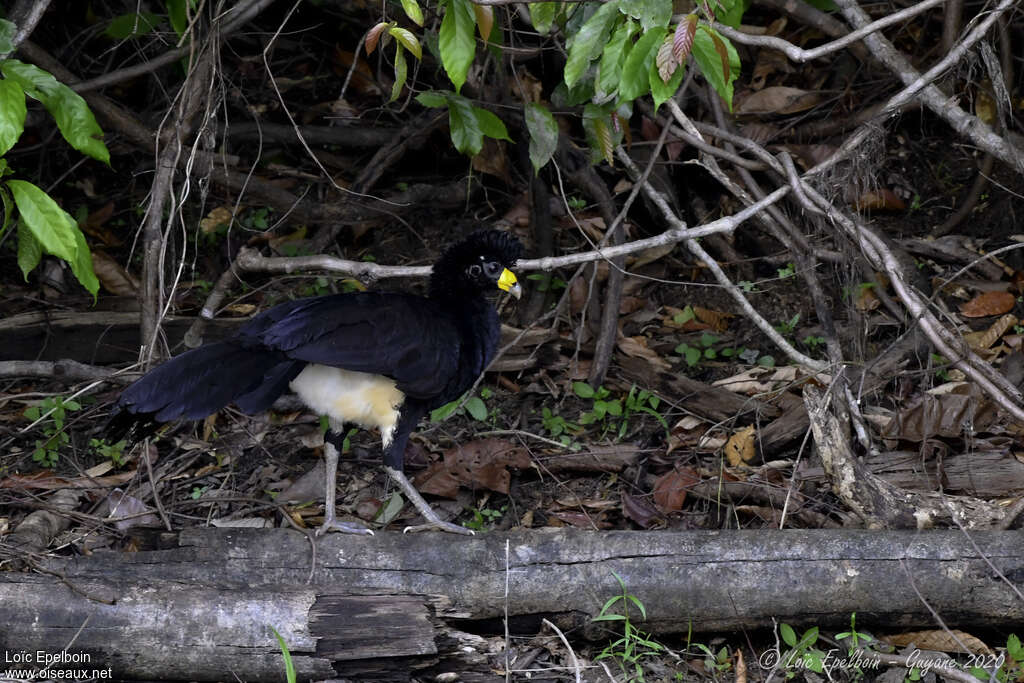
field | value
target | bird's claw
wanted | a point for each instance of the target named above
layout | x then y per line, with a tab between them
438	525
342	527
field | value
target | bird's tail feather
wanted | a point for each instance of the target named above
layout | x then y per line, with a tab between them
200	382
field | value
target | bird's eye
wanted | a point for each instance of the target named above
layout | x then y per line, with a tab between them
492	269
474	270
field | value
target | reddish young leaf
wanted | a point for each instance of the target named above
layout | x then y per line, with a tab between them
373	35
682	40
666	61
723	52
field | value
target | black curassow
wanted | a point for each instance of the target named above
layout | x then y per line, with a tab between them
375	359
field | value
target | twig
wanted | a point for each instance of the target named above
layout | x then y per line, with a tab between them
26	16
798	54
572	654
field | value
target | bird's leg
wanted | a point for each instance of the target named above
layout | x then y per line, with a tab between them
433	521
331	465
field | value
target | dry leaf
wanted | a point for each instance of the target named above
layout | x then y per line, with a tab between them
944	415
640	510
778	99
217	218
741	447
880	200
940	641
482	463
670	488
112	276
986	338
637	348
988	303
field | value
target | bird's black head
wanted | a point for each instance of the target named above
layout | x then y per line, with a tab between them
481	262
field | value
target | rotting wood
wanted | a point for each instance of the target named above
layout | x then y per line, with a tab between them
228	585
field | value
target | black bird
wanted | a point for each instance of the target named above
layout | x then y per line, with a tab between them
375	359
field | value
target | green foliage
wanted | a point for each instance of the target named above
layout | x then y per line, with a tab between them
468	124
813	342
485	519
114	452
132	25
456	41
703	350
43	226
546	282
474	405
53	411
802	653
715	662
787	327
788	271
543	134
560	428
605	407
289	665
634	645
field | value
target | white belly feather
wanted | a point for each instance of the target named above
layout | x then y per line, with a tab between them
354	397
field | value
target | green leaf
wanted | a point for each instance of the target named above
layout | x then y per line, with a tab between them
408	40
30	252
788	634
413	11
589	41
132	25
432	99
464	126
12	114
176	12
289	666
490	124
456	40
7	31
72	114
55	229
601	135
650	13
445	411
713	53
543	134
542	16
731	12
476	408
401	72
662	91
638	64
609	69
583	390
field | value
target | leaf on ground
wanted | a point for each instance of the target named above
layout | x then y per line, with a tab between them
941	641
482	463
988	303
741	448
670	489
112	276
984	339
637	348
780	100
946	415
882	199
747	382
640	510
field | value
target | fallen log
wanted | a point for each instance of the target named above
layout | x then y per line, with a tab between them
394	603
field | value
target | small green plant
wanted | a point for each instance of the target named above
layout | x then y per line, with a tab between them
813	342
576	204
603	405
942	369
46	449
474	405
787	327
547	283
485	519
289	666
641	401
746	285
197	492
114	452
634	644
560	428
1010	663
715	662
801	650
704	350
856	638
787	271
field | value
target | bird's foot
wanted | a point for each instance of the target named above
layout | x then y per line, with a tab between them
331	524
438	525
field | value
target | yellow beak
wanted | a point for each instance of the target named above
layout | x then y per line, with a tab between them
507	282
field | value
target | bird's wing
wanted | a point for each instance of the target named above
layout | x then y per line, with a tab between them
405	337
